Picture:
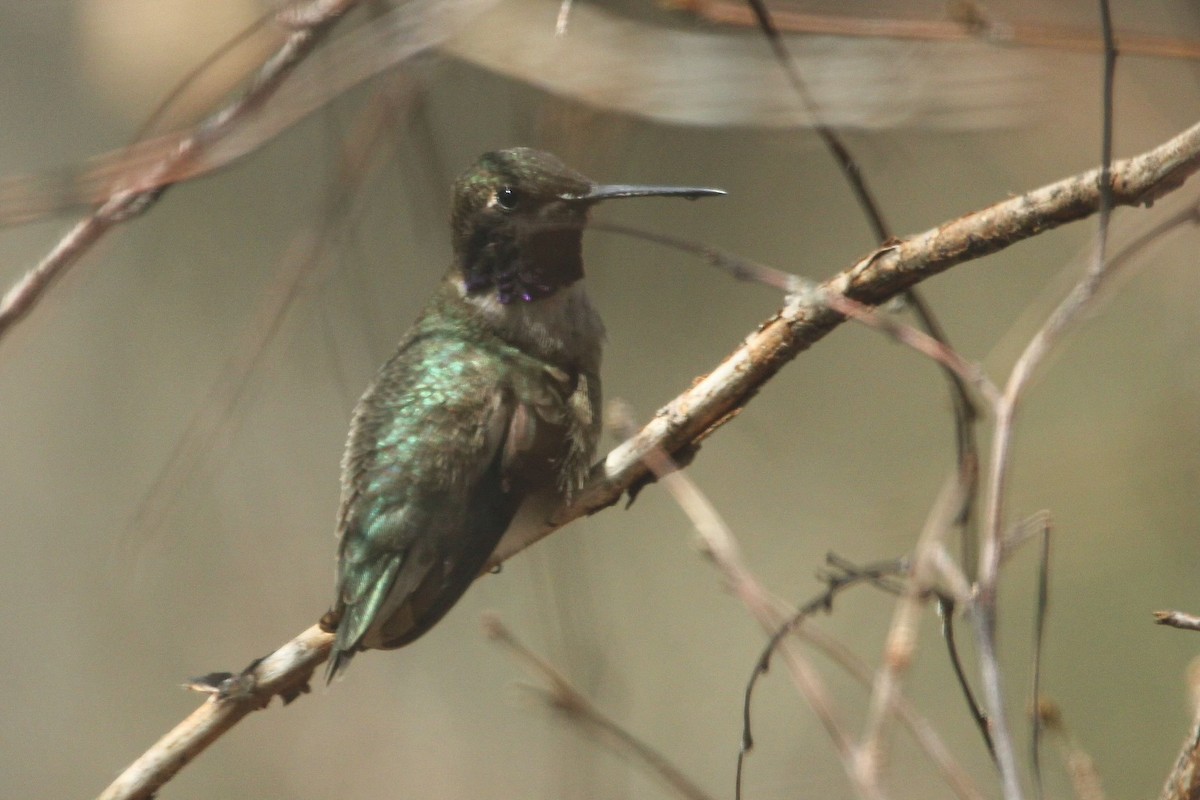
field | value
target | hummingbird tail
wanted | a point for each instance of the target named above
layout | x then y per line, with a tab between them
338	661
358	606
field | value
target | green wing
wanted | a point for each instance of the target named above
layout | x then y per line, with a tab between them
443	448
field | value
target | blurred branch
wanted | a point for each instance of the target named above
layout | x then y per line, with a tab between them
715	399
970	24
129	199
720	546
1178	619
718	543
734	84
702	75
299	267
565	698
1080	767
901	643
124	184
991	553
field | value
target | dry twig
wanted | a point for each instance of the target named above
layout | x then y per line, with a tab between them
1178	619
560	695
719	544
1080	767
1068	311
901	644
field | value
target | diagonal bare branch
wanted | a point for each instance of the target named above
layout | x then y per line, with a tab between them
125	184
285	672
129	199
714	400
560	695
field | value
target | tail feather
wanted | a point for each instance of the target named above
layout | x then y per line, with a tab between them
358	609
338	661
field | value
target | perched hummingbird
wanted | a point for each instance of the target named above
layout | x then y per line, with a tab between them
490	403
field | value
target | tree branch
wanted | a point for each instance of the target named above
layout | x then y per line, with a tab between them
285	672
881	275
711	402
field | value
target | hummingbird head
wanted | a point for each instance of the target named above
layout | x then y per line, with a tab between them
518	218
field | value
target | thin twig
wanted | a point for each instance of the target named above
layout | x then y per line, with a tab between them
1081	769
718	543
901	641
565	698
739	268
970	373
978	716
1039	636
923	732
833	143
1177	619
991	553
298	267
955	592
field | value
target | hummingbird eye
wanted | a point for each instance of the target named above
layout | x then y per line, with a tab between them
507	198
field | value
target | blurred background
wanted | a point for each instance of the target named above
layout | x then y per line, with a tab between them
122	575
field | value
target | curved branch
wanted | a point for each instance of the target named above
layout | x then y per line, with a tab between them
876	278
713	401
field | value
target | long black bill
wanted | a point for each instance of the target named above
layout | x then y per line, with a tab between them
609	191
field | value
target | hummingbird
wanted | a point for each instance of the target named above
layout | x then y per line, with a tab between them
488	411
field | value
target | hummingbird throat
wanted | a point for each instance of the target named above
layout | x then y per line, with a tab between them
526	265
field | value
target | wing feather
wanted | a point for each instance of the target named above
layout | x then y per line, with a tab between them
425	498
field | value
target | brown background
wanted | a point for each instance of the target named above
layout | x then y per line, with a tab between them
843	452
